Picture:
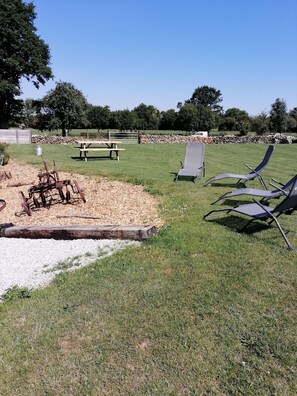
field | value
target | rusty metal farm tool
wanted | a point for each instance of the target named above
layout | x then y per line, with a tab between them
49	191
2	204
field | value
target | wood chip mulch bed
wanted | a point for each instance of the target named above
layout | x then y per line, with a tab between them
112	202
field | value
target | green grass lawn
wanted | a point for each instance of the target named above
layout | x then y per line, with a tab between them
198	310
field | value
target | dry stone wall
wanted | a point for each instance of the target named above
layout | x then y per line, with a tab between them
154	139
277	138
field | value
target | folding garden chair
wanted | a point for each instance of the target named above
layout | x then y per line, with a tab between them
194	161
255	173
258	211
265	194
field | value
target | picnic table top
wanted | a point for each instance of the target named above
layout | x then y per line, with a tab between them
98	142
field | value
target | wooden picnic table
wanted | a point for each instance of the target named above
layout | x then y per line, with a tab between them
89	146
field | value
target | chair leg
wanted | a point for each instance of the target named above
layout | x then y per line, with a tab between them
290	247
262	182
217	210
220	198
210	180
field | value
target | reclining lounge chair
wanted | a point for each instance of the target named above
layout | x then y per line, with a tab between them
258	211
249	176
194	161
265	194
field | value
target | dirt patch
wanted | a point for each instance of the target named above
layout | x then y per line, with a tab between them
112	202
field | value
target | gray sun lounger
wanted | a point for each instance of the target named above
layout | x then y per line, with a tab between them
265	194
255	173
258	211
194	161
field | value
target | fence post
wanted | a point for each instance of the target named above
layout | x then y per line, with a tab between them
108	135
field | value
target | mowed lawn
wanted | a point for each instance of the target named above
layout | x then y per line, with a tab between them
200	309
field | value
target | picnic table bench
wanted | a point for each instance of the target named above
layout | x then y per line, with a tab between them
89	146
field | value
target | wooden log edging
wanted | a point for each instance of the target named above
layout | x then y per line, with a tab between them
132	232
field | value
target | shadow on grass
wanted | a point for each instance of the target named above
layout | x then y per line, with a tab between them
94	158
236	224
231	185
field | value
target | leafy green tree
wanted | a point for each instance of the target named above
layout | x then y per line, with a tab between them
28	116
292	122
259	124
168	120
235	119
205	119
187	118
64	107
23	54
148	116
123	120
278	116
208	97
98	117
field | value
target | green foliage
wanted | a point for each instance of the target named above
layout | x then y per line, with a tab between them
98	117
4	155
292	121
235	120
260	124
168	120
148	117
278	116
22	54
16	293
208	97
64	107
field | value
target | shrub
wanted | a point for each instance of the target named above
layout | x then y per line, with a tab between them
3	153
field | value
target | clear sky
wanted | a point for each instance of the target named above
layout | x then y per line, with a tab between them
121	53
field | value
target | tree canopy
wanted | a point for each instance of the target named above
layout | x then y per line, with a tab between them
278	116
23	54
64	108
208	97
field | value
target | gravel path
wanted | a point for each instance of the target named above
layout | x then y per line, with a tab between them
33	263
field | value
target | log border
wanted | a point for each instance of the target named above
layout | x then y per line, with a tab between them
133	232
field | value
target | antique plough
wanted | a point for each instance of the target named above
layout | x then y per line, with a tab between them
49	191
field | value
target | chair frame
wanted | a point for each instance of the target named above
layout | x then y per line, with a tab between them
267	214
197	169
254	172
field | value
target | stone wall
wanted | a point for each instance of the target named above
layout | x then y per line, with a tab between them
146	139
277	138
39	139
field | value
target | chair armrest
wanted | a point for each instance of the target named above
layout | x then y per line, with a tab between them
252	169
280	189
278	182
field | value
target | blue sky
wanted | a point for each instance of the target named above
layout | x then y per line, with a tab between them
121	53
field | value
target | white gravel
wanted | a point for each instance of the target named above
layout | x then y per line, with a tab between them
33	263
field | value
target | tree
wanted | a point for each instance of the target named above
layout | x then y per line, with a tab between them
65	108
23	54
168	120
187	117
29	113
205	119
208	97
123	119
235	119
278	116
292	123
98	117
259	124
148	116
